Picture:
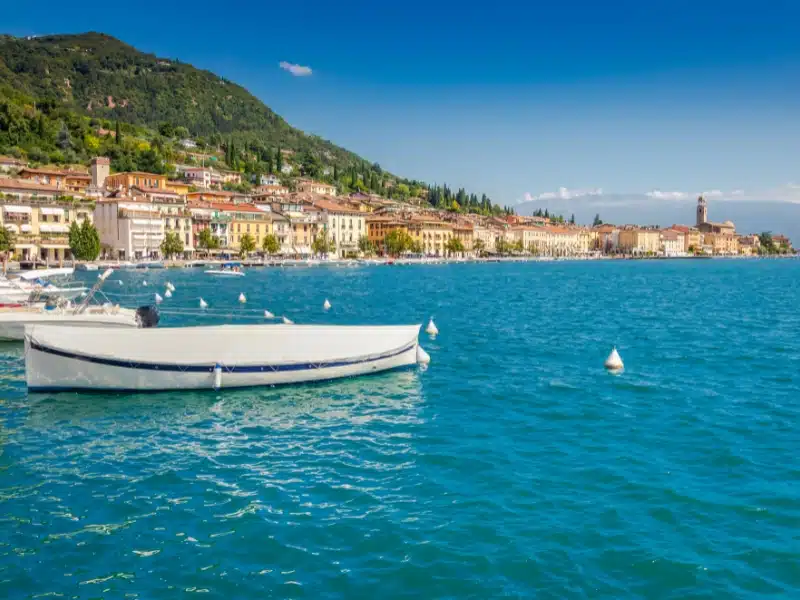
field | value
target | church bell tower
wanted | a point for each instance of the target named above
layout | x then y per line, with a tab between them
702	211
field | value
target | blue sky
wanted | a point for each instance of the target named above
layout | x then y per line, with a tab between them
518	100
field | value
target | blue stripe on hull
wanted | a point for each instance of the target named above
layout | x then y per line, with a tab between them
142	366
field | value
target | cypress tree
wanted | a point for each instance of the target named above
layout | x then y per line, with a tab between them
117	133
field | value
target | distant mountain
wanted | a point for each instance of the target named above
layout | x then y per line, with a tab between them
99	76
749	216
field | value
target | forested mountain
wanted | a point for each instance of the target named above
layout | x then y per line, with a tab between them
66	98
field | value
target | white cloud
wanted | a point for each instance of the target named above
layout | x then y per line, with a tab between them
563	194
659	195
296	70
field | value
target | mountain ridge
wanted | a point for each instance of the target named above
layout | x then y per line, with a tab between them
98	75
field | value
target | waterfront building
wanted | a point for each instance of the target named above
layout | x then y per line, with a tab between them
635	240
487	236
244	219
344	226
129	228
378	226
40	217
533	239
749	245
561	241
706	226
465	232
606	238
430	233
672	242
721	243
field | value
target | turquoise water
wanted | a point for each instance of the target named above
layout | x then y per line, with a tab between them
514	466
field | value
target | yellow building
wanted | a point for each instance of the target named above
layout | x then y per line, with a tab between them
379	225
178	187
722	243
465	233
244	219
67	181
431	234
40	219
640	241
129	179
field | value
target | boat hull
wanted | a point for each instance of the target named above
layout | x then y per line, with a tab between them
225	273
271	356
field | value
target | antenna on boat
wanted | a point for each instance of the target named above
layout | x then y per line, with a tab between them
95	288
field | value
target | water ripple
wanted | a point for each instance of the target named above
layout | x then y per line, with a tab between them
514	466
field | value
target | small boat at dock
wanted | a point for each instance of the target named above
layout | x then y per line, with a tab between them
227	270
211	357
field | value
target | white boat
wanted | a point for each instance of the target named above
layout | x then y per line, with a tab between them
39	284
227	270
224	356
14	320
224	273
58	311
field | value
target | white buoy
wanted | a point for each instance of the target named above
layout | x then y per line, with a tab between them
120	282
431	329
268	315
326	305
167	294
144	283
423	358
614	362
203	303
242	298
158	298
170	287
217	376
287	321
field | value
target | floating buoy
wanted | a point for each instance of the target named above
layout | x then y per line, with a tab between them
326	305
203	303
120	282
431	329
287	321
268	315
170	287
217	376
167	294
423	358
158	298
242	298
144	283
614	362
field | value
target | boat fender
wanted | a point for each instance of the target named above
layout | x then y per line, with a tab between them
217	376
326	305
423	358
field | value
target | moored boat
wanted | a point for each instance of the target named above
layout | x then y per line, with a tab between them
227	270
223	356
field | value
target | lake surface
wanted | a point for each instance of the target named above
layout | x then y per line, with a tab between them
514	466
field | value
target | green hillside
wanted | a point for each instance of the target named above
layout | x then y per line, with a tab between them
67	98
99	76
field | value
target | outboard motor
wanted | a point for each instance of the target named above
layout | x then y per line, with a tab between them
147	316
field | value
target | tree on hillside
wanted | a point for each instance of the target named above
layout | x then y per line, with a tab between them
84	241
271	244
572	219
279	161
767	243
597	220
206	240
117	134
171	245
246	245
